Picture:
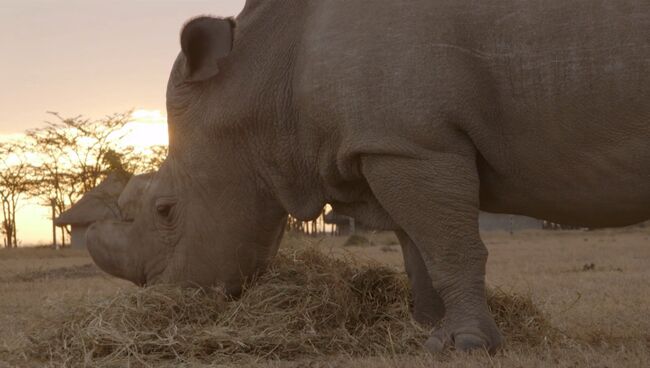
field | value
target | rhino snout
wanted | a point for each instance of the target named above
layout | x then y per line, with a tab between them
108	245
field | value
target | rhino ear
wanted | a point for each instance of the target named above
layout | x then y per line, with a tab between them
205	41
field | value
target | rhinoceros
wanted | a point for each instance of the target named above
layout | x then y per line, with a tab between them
409	116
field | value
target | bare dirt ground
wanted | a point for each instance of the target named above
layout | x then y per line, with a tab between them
593	285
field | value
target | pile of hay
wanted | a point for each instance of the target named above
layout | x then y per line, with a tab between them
306	305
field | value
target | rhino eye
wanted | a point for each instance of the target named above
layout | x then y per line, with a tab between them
164	209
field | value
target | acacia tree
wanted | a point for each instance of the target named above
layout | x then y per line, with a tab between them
73	155
15	181
144	160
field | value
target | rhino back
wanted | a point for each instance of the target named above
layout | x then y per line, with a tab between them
552	94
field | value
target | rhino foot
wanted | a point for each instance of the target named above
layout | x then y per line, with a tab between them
486	337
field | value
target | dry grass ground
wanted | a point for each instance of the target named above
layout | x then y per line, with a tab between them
594	286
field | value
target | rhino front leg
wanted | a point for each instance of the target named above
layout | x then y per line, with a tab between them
435	201
428	307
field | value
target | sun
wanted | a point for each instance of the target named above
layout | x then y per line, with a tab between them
145	129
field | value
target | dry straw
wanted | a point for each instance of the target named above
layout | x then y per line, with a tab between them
307	305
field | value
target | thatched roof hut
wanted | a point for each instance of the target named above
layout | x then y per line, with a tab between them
96	205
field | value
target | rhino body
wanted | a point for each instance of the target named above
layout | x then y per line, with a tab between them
410	116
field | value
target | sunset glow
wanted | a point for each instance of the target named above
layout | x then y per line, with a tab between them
59	57
147	128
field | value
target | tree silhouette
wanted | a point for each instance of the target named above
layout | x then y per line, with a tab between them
15	182
144	160
72	156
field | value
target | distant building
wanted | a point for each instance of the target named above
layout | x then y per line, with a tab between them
487	222
510	223
96	205
345	225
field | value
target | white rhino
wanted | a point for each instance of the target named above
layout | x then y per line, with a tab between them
407	115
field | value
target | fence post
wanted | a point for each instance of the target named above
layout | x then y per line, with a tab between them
54	243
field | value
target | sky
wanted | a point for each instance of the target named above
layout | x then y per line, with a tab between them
89	57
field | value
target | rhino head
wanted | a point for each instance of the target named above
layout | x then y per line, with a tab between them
205	218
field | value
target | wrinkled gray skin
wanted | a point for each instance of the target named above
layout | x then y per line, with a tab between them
127	197
407	115
130	198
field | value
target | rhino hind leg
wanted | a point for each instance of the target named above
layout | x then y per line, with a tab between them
428	307
435	201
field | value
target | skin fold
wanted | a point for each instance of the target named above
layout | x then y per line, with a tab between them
409	116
